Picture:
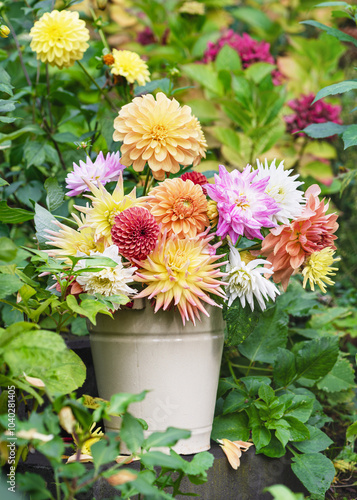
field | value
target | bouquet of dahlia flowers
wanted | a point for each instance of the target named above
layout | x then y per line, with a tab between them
170	243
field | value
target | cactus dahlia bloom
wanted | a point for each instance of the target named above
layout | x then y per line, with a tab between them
59	38
69	241
317	269
130	65
105	206
159	132
180	207
243	206
181	272
102	170
288	246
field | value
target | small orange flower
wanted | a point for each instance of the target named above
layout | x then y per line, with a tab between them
180	207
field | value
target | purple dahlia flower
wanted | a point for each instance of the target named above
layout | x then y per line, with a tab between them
102	170
243	206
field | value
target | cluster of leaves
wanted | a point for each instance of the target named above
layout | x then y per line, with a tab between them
298	366
157	474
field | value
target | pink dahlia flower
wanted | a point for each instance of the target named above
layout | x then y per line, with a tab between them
305	114
101	171
242	204
287	246
135	233
196	178
250	51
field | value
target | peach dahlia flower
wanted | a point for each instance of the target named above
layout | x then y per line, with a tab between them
180	207
159	132
287	246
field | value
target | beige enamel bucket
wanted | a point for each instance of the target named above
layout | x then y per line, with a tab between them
179	365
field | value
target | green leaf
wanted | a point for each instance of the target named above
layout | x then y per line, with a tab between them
351	432
253	17
104	452
321	130
349	136
266	393
13	215
258	71
55	194
336	88
298	430
228	59
340	35
254	382
301	407
34	485
236	400
340	378
315	471
228	137
205	76
233	426
318	441
317	357
240	322
281	492
119	403
9	284
166	438
8	249
43	220
34	153
159	459
88	308
132	433
274	449
284	367
5	82
261	436
270	333
34	129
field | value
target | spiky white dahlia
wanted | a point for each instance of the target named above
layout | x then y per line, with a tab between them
283	188
181	272
246	281
110	280
105	207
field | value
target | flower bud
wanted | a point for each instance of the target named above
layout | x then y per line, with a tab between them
4	31
101	4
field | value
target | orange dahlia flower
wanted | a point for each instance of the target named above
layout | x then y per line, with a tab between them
159	132
180	207
287	246
181	272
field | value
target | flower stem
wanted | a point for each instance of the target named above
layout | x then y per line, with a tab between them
146	181
98	87
100	31
7	21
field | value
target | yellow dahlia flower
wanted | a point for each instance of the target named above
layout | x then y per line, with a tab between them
181	272
59	38
159	132
105	206
131	66
317	269
69	241
180	207
193	8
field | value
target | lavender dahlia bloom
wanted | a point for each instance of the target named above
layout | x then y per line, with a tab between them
242	204
103	170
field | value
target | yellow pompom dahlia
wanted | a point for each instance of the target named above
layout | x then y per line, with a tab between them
69	241
181	272
130	65
159	132
105	206
180	207
59	38
317	269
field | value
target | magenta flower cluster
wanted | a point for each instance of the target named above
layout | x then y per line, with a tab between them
305	114
243	206
250	51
